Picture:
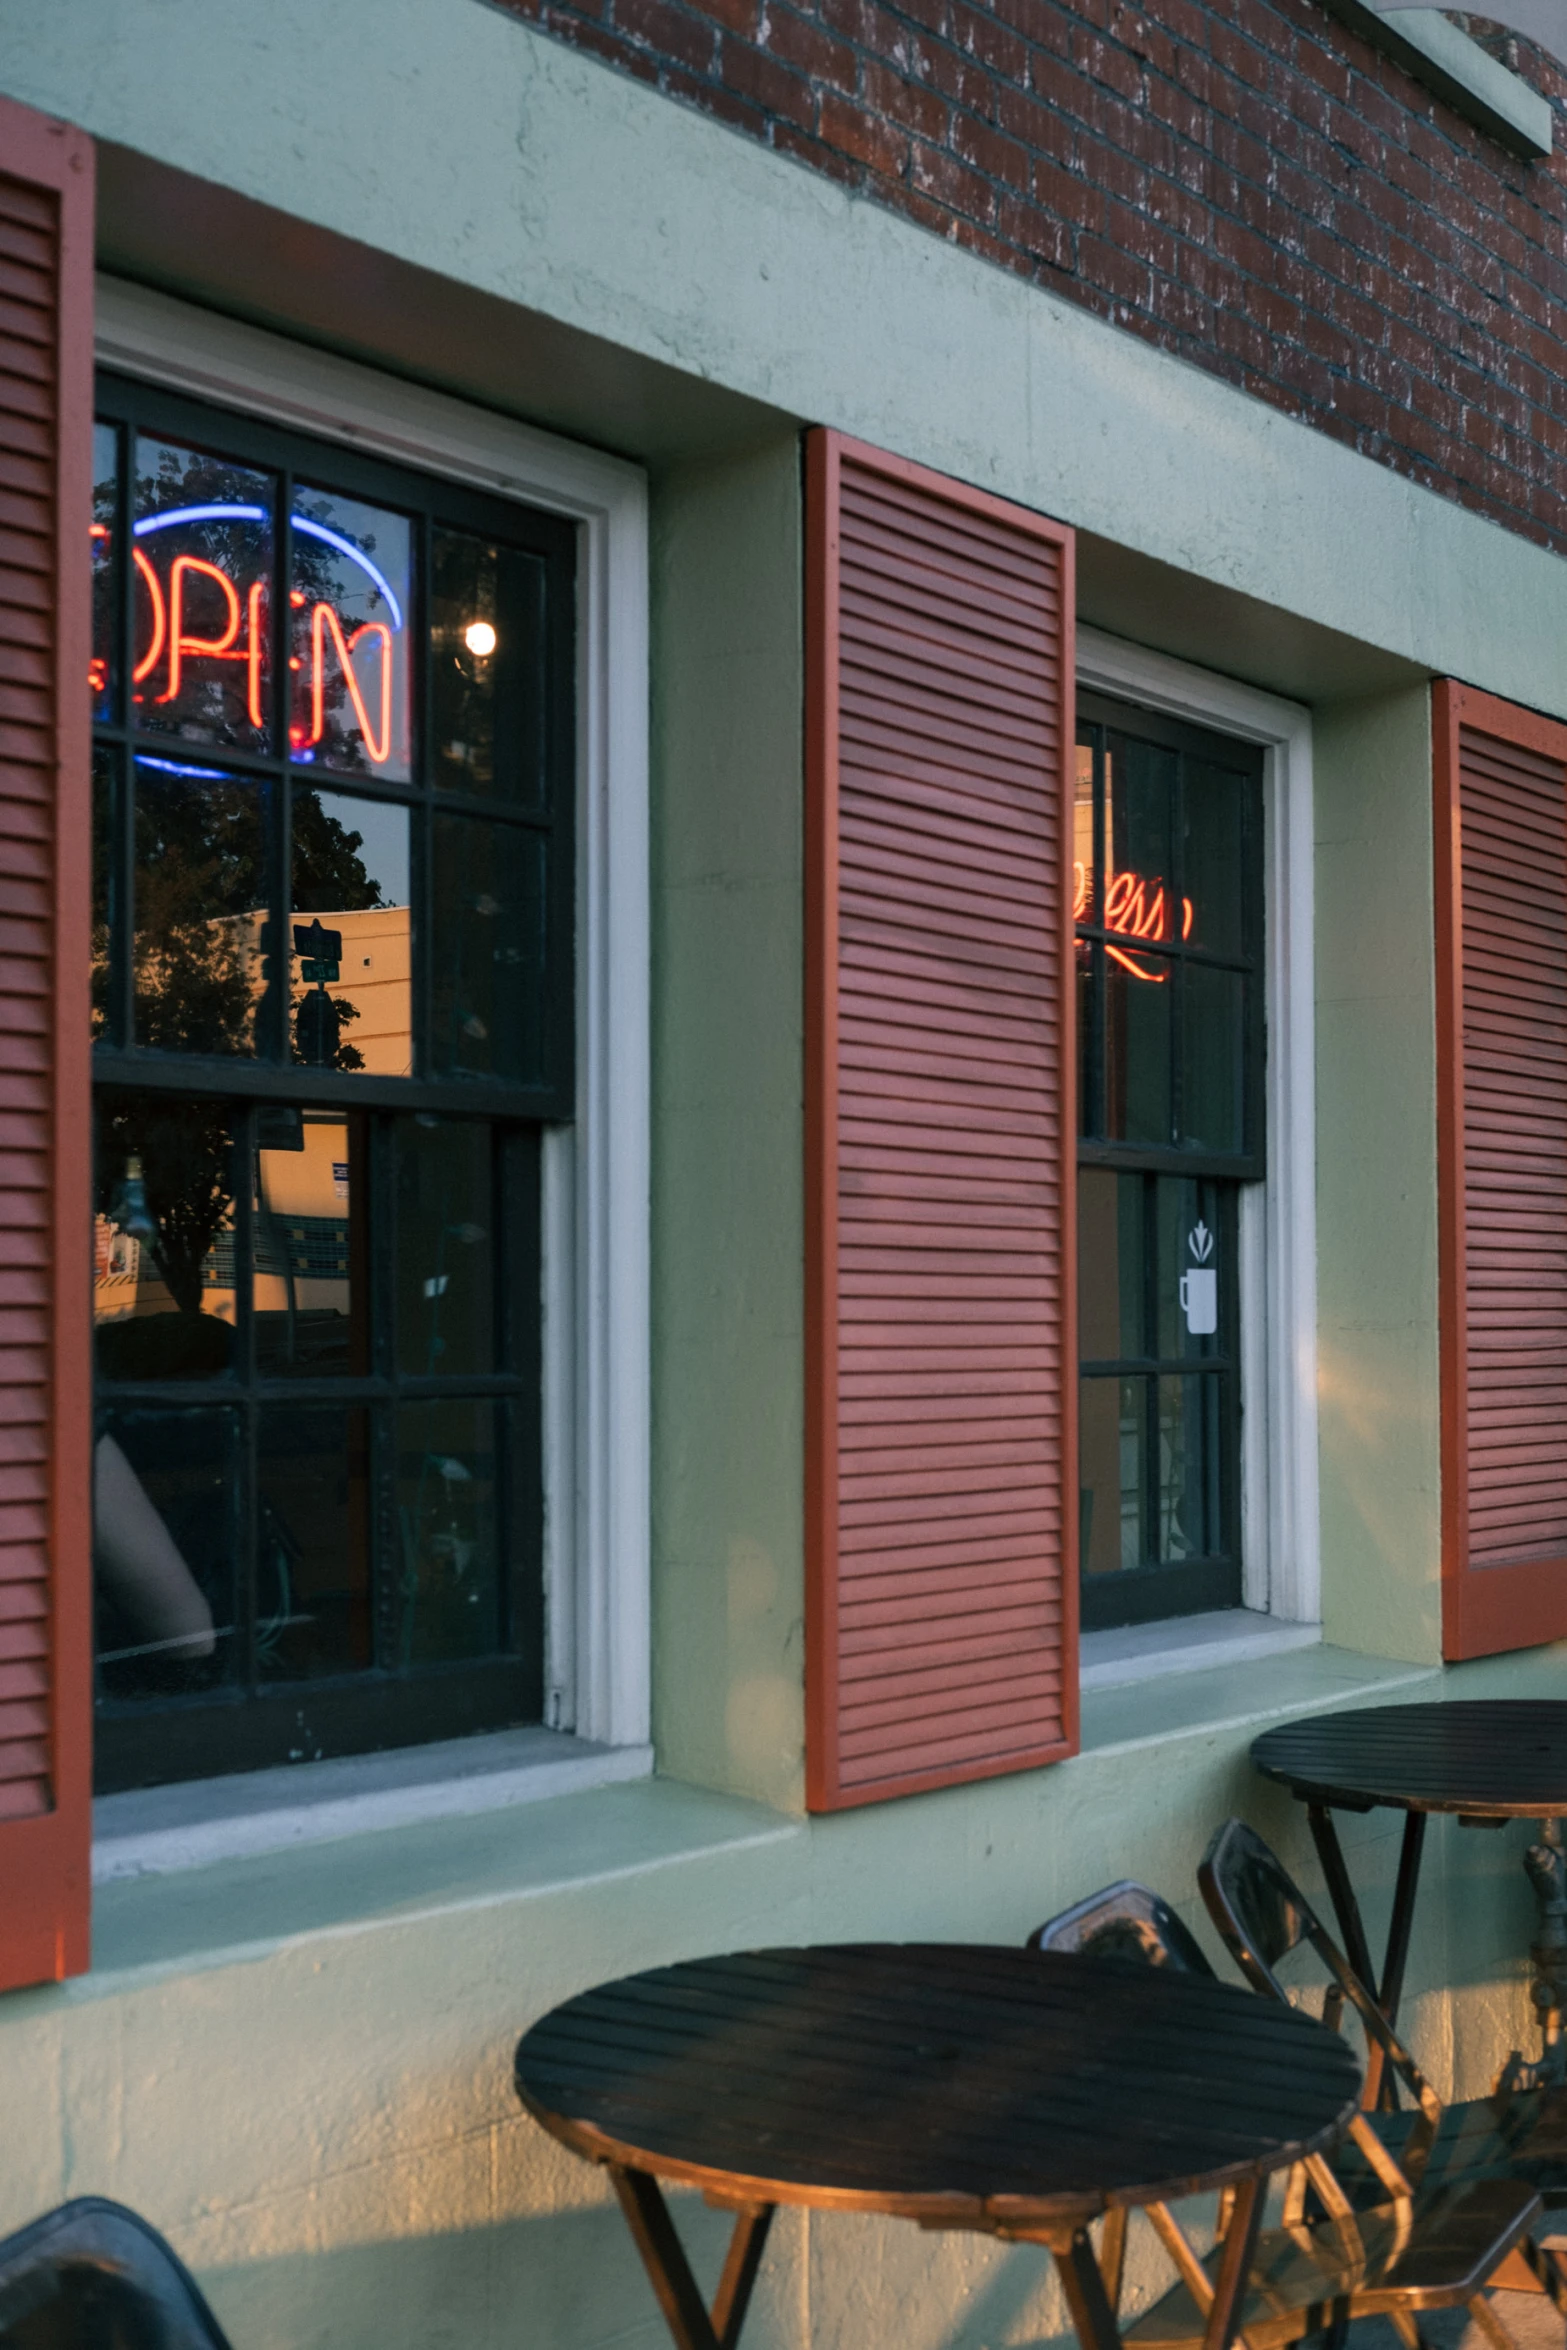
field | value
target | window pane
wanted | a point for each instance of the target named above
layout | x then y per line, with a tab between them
348	635
1213	1060
487	668
450	1580
1112	1420
1110	1256
203	561
1138	996
488	914
446	1283
1089	1119
1084	906
1189	1418
1139	784
163	1239
311	1295
1195	1273
202	891
103	907
1213	856
313	1611
352	1003
103	668
165	1487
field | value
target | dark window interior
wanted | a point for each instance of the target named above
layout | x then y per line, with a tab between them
1168	898
332	1011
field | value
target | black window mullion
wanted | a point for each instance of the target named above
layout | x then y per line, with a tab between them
122	877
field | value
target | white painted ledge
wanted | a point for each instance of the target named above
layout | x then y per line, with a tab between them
1474	83
158	1831
1186	1644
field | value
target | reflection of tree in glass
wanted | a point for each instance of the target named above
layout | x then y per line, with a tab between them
188	1174
462	589
199	858
330	877
318	578
213	704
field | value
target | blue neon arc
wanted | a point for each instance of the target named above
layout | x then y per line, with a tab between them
304	522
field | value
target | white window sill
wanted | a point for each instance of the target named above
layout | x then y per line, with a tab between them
1186	1644
157	1831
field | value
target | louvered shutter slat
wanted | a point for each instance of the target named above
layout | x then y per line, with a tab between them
941	1631
45	457
1501	834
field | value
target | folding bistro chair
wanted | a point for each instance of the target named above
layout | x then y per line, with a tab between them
1262	1915
1411	2252
92	2276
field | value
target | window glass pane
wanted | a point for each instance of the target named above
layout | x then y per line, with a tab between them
1213	859
450	1583
165	1488
1089	1120
446	1280
487	668
202	891
1112	1420
1195	1266
487	893
311	1294
1084	906
1139	783
1138	995
1110	1255
313	1612
203	562
351	983
103	908
1189	1420
103	668
1213	1060
348	635
163	1238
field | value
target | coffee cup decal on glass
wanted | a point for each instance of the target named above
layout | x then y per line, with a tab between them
1200	1286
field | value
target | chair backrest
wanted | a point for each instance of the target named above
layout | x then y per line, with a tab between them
1262	1915
1124	1921
93	2276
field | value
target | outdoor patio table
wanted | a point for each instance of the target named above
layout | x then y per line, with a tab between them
1014	2092
1487	1760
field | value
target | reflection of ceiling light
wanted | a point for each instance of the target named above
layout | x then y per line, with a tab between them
479	637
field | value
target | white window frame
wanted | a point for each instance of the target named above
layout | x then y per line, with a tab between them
596	1171
1280	1524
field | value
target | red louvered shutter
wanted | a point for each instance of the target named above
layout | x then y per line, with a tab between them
46	228
941	1629
1501	905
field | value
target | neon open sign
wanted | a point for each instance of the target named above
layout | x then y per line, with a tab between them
194	614
1135	908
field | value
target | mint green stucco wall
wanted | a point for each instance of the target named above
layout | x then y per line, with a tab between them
1378	1392
728	1154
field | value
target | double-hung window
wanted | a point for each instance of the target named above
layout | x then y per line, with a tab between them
1168	907
333	1016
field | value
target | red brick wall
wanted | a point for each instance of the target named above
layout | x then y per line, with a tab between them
1249	185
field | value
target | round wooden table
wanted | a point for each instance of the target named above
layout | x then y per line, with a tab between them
1015	2092
1486	1760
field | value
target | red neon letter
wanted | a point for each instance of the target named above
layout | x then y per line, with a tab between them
322	619
204	648
149	660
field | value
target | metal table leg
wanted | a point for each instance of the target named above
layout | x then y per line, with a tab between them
663	2256
1379	2088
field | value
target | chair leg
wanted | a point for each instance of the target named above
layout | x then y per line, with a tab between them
1484	2313
1546	2270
